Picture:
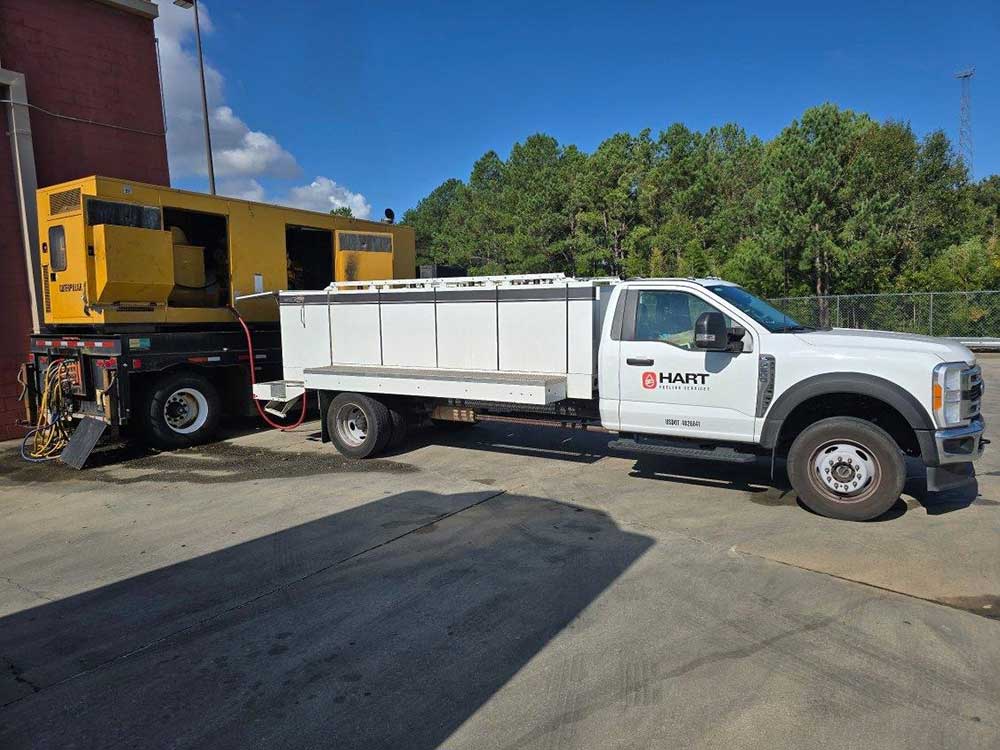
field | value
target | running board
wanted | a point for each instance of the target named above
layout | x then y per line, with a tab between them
683	450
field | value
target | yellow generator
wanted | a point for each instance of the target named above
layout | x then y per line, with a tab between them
141	285
114	251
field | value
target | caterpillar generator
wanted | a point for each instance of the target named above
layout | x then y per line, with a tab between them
157	312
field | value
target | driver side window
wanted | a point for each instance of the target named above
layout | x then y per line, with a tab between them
669	317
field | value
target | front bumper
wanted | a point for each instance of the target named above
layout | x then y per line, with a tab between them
960	444
955	448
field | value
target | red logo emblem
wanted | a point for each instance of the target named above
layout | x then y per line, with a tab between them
649	380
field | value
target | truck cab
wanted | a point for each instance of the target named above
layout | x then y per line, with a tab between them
706	360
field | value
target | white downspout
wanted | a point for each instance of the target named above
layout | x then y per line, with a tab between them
26	181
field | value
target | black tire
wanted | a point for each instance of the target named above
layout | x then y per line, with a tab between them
359	425
179	409
846	468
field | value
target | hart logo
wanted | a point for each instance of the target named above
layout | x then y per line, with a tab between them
675	380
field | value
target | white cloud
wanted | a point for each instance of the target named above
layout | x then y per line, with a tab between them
242	156
323	194
246	188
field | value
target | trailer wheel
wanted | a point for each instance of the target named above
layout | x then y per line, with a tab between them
358	425
180	409
846	468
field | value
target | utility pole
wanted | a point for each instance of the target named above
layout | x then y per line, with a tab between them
204	97
965	117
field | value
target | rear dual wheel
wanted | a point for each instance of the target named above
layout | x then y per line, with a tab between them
846	468
361	426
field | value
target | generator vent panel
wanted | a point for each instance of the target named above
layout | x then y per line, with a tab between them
46	292
65	202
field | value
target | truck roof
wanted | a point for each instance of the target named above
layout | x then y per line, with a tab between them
705	281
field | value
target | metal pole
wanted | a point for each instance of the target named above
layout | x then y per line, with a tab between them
204	103
22	153
931	317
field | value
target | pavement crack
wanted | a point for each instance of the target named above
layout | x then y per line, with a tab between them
956	604
27	590
868	584
18	676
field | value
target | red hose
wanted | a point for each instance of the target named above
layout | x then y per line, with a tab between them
253	382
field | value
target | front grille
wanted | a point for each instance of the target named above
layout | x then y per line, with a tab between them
65	202
972	392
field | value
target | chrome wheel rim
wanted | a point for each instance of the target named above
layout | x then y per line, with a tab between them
847	472
185	411
352	425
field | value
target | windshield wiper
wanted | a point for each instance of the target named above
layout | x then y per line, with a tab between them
798	329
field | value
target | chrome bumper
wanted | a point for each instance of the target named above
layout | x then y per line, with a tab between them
960	444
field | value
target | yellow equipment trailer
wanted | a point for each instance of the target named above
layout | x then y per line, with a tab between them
140	290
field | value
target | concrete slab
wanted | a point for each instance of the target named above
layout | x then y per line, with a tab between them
498	587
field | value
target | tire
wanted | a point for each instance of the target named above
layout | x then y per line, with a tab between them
180	409
359	425
846	468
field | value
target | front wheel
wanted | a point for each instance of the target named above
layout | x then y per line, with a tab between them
846	468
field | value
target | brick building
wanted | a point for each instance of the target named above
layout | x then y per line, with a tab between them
85	79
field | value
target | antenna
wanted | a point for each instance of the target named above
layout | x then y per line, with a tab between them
965	117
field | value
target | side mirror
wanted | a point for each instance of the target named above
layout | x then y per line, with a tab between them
710	332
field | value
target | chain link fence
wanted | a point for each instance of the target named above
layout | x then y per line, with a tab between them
967	315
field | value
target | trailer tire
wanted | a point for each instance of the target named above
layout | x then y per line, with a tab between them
360	426
180	409
846	468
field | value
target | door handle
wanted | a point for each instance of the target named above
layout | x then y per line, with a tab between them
639	362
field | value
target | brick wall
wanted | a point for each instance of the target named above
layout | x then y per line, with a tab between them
16	314
83	59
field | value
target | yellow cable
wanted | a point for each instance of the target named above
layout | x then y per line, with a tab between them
50	436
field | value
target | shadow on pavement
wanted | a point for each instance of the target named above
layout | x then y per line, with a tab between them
383	626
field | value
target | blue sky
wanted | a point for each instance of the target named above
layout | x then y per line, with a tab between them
375	103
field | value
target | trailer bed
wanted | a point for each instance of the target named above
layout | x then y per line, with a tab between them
512	387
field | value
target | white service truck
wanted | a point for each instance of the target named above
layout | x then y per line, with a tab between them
688	368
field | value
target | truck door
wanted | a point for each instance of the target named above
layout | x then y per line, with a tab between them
670	387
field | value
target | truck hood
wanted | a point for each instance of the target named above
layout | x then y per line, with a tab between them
850	338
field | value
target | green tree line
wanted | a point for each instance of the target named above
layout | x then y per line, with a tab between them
837	203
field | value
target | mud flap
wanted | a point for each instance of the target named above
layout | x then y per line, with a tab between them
325	399
82	442
950	476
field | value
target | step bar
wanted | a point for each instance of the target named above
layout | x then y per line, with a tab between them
678	449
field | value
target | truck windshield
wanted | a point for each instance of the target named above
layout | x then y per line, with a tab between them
770	317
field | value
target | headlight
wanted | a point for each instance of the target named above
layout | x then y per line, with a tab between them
946	393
